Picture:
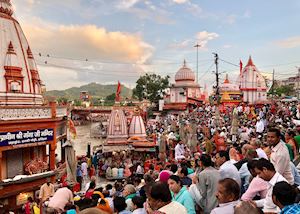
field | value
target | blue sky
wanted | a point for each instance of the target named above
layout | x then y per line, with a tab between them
123	39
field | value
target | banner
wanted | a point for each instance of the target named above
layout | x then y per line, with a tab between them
24	137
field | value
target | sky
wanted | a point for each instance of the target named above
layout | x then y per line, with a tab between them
76	42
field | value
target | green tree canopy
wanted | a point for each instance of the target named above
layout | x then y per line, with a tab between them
286	90
111	97
151	87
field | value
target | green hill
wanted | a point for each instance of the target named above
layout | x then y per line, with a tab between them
95	90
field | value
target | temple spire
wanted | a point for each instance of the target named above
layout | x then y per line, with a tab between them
250	62
226	79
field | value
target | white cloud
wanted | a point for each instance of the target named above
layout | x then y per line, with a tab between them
180	1
126	4
181	45
204	37
195	9
291	42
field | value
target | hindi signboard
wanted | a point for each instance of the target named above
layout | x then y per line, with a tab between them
24	137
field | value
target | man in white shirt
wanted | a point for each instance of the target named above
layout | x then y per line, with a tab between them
228	196
280	157
260	127
179	151
266	171
227	169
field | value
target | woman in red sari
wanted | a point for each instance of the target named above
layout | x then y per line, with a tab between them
219	141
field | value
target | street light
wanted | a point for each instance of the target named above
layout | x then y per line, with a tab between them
197	46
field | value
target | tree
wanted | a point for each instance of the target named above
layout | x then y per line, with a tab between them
287	90
62	100
151	87
110	99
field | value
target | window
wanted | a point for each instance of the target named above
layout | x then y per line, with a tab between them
15	87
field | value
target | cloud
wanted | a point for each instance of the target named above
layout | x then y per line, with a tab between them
87	41
126	4
291	42
180	1
185	44
145	10
112	55
204	37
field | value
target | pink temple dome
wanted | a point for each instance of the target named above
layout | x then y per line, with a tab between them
185	74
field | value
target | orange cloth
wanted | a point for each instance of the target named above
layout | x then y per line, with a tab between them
105	207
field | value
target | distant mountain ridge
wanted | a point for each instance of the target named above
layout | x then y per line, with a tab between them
95	90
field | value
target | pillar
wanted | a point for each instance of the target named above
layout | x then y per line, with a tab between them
52	155
1	156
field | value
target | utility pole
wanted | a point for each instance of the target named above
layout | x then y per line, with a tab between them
217	76
197	46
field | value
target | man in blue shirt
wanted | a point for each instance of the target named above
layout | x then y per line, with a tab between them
284	196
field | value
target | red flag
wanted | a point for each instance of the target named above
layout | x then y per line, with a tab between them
241	67
118	92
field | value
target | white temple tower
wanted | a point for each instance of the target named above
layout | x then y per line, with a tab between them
20	83
253	84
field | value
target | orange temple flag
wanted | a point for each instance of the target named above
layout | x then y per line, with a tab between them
72	129
118	92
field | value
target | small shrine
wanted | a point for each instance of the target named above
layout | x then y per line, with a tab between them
185	92
230	93
124	134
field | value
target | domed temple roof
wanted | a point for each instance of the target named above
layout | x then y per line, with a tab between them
185	74
20	83
137	126
185	77
227	86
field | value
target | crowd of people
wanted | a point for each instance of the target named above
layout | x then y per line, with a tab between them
237	160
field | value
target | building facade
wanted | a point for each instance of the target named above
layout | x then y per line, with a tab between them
29	130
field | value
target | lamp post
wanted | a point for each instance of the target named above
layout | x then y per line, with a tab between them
197	46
